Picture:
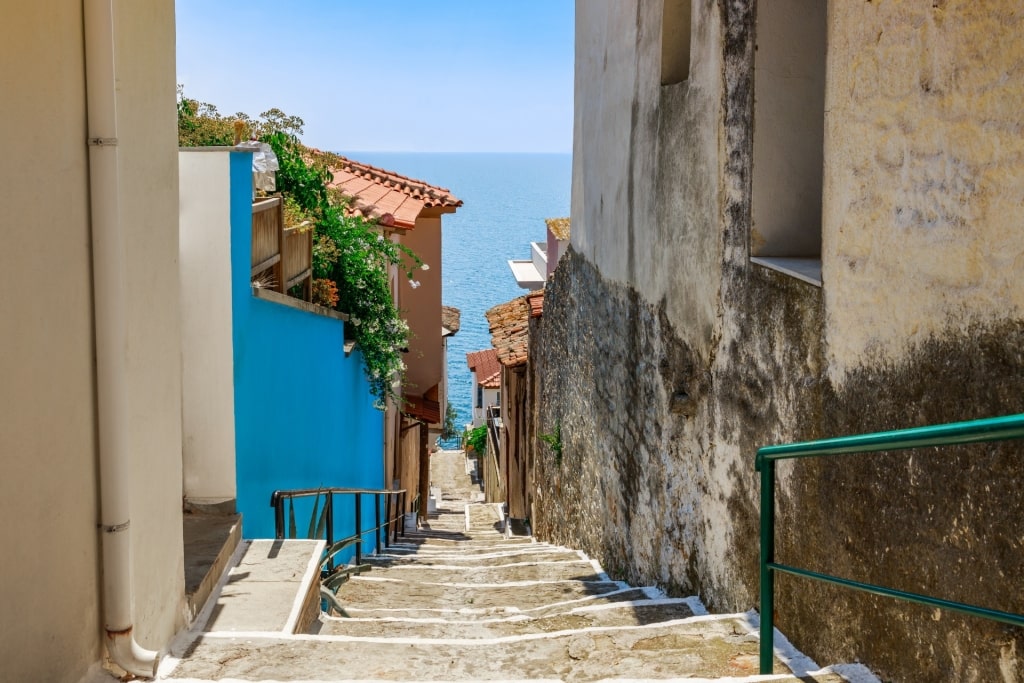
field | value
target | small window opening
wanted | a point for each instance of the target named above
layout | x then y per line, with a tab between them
675	41
789	130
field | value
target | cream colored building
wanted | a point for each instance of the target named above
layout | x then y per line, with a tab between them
795	219
91	364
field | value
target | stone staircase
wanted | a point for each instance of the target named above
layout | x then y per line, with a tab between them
458	600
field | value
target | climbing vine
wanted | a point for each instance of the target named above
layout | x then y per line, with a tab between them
352	259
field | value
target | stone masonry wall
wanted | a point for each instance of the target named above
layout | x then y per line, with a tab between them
665	391
657	480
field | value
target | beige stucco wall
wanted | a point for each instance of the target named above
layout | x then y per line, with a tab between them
421	307
49	491
208	403
47	425
935	201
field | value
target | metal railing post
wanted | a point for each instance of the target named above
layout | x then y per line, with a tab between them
392	508
329	504
766	659
359	528
401	515
376	515
278	516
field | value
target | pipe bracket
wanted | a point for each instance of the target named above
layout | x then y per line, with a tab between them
103	142
115	528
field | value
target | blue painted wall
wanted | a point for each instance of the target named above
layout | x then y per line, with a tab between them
304	415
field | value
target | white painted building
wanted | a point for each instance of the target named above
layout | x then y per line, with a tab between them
486	373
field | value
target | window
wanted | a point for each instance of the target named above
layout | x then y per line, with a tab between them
675	41
789	132
479	396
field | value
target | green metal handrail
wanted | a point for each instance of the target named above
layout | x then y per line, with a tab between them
1005	428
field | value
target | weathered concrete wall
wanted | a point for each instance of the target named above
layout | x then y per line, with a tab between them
668	366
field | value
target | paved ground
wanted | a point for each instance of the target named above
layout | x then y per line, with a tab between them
457	600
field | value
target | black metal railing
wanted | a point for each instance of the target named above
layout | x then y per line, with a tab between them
388	510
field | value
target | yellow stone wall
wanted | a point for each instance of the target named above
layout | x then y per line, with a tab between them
924	173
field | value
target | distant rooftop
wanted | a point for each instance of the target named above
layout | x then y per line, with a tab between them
393	200
484	364
536	303
509	325
559	227
451	320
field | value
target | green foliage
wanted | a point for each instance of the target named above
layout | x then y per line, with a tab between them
554	441
476	438
448	430
352	260
305	183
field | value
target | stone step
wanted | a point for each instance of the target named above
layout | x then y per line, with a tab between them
495	575
701	646
626	613
495	558
498	546
364	597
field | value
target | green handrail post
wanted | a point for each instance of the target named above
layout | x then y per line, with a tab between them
767	644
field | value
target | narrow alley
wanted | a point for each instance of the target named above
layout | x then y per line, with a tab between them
459	600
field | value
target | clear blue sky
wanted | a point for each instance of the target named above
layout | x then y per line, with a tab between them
389	75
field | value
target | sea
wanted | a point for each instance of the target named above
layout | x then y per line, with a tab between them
506	198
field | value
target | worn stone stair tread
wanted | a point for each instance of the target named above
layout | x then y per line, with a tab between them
469	549
552	571
499	625
365	593
709	647
472	561
369	598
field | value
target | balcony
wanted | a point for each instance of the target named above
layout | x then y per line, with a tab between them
282	258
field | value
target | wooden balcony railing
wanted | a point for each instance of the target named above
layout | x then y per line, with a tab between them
281	257
298	259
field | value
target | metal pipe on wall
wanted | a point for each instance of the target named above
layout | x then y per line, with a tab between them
109	289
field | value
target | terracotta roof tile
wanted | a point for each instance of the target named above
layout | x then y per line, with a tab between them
451	318
559	227
484	364
536	303
392	199
510	331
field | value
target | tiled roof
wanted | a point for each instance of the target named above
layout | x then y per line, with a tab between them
393	200
451	319
484	364
510	330
536	302
559	227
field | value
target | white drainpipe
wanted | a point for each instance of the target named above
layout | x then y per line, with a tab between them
109	287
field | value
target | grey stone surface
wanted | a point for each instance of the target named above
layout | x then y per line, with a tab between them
534	625
263	588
